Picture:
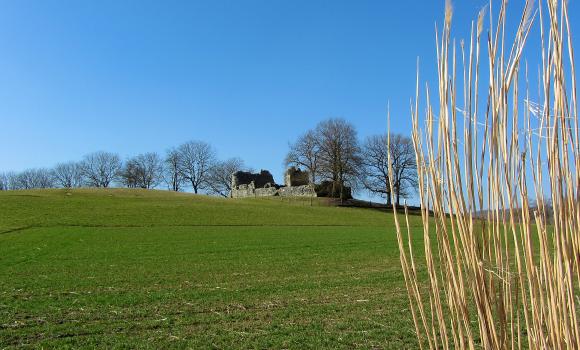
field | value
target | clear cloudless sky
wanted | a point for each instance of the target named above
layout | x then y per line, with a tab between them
132	76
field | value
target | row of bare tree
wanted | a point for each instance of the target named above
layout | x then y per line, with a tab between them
332	152
192	165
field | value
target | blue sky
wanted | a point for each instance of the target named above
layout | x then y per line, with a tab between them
247	76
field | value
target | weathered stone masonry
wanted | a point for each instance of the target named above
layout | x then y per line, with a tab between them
297	184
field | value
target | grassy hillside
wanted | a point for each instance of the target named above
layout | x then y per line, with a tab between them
152	269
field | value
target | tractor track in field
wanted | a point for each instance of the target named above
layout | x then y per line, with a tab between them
18	229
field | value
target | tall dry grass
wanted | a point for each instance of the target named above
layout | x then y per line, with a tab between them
500	274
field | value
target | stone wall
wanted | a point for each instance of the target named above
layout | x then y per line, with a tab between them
294	191
297	191
266	192
243	191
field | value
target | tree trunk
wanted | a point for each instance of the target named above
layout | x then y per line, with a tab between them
175	183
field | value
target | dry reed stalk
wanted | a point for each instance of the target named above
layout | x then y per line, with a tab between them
500	273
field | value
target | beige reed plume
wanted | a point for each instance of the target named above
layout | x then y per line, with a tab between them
502	264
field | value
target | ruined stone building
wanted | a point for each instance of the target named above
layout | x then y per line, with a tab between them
246	184
296	184
296	177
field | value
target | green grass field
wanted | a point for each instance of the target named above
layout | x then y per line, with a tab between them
152	269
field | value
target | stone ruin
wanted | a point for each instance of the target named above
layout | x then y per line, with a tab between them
296	184
261	180
246	184
296	177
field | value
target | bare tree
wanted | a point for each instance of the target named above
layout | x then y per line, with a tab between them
196	158
13	180
375	169
44	178
68	175
339	153
129	174
220	176
101	168
305	152
4	182
144	171
404	164
375	174
21	181
151	167
31	179
171	174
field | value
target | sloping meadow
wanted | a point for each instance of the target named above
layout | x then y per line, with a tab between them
153	269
